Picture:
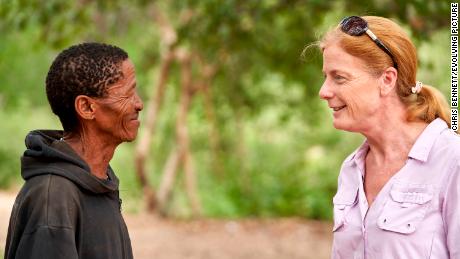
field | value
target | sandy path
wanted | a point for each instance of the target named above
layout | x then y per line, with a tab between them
6	203
153	237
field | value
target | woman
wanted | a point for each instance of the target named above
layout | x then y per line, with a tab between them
398	194
69	206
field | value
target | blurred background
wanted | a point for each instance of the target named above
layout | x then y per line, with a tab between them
233	136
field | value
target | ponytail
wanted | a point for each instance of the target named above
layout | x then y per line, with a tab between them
427	105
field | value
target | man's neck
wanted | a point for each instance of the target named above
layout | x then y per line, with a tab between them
95	151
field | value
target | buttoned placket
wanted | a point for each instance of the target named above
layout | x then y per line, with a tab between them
364	208
362	200
363	205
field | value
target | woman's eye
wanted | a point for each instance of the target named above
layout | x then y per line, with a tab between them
339	78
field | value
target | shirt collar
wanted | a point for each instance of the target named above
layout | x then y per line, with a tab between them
359	156
420	150
422	146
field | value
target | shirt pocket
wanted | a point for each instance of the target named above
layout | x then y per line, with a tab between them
406	207
343	201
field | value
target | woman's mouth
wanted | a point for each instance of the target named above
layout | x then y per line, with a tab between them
338	108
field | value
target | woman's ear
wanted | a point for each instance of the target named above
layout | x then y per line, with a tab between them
85	107
388	81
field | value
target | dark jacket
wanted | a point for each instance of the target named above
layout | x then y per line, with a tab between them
63	211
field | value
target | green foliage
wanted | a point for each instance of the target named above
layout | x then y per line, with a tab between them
8	169
423	17
17	123
279	154
23	68
123	165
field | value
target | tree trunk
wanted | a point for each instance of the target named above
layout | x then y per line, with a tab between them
168	39
182	131
190	184
142	149
167	181
214	138
181	155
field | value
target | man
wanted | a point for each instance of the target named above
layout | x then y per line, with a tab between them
69	206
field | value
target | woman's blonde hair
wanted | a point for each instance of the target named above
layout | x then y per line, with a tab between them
425	106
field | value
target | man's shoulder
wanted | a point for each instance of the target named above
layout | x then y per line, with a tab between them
51	183
47	201
51	192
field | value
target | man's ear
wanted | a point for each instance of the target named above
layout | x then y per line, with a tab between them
388	81
85	107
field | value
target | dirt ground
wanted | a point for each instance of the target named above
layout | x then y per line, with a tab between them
153	237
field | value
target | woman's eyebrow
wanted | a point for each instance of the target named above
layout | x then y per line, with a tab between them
337	71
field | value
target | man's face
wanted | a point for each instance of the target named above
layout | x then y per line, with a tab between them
118	111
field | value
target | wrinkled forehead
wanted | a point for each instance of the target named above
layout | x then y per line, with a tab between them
127	81
127	66
337	59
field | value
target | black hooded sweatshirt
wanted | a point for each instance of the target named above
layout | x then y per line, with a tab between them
63	211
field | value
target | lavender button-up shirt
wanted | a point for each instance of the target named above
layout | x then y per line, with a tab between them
417	212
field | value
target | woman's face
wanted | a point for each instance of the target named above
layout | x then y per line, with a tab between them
350	90
118	111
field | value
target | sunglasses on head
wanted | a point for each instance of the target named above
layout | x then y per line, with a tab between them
357	26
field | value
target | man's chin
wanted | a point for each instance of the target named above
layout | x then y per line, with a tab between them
129	138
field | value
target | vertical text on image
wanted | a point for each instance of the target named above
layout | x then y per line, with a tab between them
454	66
454	18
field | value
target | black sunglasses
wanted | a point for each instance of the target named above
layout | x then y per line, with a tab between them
357	26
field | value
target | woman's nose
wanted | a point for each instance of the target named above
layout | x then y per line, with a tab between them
325	92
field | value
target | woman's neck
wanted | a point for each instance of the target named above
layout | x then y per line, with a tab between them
393	139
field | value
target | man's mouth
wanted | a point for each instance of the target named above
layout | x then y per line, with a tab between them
135	117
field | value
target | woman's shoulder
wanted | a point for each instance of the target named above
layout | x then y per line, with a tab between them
447	144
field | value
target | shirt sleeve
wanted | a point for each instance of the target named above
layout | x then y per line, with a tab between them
48	242
451	211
